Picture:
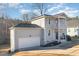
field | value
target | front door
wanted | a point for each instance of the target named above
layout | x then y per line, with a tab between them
56	35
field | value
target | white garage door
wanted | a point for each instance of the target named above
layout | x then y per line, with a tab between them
28	42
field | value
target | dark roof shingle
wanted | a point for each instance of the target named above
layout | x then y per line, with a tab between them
27	25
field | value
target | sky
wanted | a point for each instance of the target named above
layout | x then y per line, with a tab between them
15	10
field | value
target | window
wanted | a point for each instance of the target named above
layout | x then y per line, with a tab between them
49	33
75	30
68	30
56	21
49	20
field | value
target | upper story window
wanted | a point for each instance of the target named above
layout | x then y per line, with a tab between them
49	20
56	20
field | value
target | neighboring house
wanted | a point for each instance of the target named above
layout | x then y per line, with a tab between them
42	30
73	27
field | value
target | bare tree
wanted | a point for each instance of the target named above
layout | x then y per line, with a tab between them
25	17
33	15
41	7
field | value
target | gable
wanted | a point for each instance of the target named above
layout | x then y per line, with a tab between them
60	15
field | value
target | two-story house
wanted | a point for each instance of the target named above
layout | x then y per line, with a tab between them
54	27
41	30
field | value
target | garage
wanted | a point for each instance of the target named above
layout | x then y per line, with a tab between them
29	42
29	37
25	36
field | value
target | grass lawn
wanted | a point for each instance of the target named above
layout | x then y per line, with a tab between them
4	49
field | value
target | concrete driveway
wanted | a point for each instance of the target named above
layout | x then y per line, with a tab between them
65	49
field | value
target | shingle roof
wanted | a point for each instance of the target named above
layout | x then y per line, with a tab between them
53	16
27	25
60	14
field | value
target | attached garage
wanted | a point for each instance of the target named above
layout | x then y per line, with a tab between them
25	36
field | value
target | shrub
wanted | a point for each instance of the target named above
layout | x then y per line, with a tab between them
68	38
